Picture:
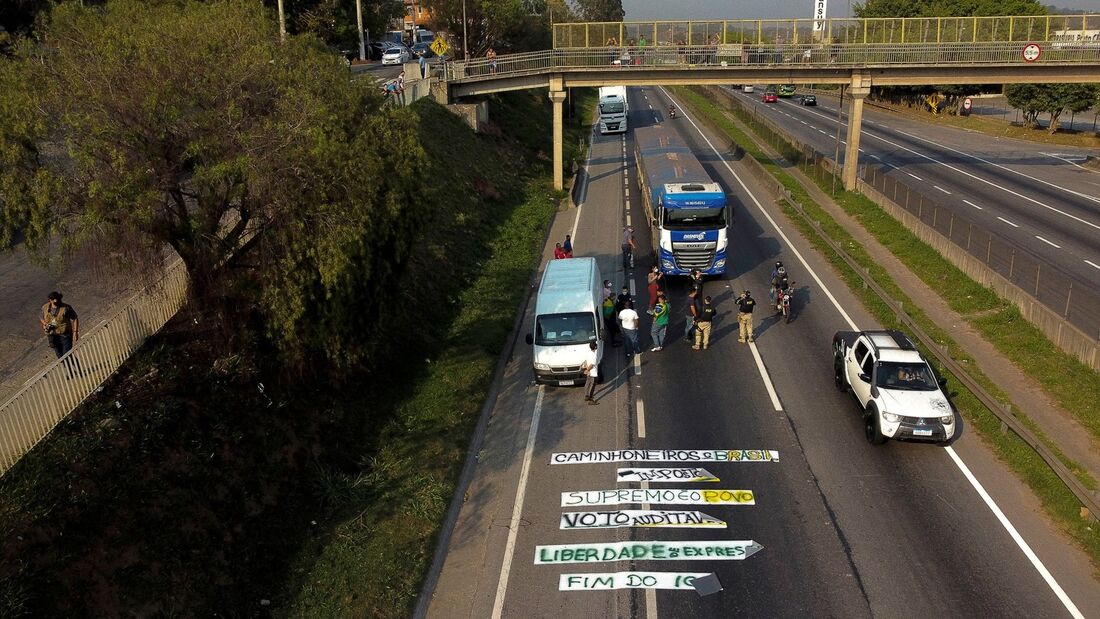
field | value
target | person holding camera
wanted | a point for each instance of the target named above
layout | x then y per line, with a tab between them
60	324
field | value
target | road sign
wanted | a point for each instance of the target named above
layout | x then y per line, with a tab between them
1031	52
967	103
439	46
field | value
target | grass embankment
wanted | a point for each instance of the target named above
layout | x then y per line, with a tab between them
196	484
987	312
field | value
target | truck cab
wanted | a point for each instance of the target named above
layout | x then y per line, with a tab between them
898	391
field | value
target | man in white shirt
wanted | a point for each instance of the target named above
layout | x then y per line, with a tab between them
628	320
592	372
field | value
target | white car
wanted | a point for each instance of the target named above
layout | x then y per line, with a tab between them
900	394
396	55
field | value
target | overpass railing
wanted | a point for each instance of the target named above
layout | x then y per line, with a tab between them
737	55
887	30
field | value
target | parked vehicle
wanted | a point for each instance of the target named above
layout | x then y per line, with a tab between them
808	100
613	109
567	318
770	97
423	36
898	391
397	54
686	209
423	50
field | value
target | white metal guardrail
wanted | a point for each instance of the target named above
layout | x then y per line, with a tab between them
54	393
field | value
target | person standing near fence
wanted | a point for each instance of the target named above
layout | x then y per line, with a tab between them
60	324
491	56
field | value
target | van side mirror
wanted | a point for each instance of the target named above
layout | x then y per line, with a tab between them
530	339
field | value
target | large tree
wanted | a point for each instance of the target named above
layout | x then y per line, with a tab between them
1053	99
505	25
600	10
948	8
189	125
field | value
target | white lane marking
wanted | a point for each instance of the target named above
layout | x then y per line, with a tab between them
1007	222
873	156
813	127
980	179
765	377
1005	168
637	364
915	176
861	150
650	604
1092	264
822	132
628	219
771	221
942	189
1069	161
641	419
517	508
803	122
1054	245
632	293
1016	537
974	482
972	204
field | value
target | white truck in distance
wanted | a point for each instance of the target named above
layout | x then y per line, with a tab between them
899	393
613	109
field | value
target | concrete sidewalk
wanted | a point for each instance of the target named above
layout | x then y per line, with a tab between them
1075	441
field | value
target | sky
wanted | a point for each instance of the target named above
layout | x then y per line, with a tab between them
758	9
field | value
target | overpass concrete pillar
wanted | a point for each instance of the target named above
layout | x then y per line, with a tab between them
858	92
558	98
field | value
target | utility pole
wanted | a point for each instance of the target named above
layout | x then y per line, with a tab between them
465	45
282	22
359	19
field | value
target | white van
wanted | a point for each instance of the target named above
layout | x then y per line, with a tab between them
567	319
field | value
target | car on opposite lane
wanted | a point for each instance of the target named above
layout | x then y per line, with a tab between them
808	100
397	54
423	49
770	97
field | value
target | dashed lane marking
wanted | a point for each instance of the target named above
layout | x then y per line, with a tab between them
1092	264
641	418
1008	222
942	189
1054	245
972	204
915	176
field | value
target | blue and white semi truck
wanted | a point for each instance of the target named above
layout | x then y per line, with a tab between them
687	210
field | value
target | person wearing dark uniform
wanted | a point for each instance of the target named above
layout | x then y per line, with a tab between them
745	305
703	324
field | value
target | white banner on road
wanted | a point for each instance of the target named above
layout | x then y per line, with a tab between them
724	550
639	518
659	475
628	580
665	455
657	496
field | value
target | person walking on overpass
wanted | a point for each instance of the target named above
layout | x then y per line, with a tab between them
661	310
702	326
591	369
745	305
629	245
695	308
491	56
628	320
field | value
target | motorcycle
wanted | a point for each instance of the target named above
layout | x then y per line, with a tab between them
671	113
783	301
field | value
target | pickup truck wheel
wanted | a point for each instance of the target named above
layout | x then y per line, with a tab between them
838	377
871	427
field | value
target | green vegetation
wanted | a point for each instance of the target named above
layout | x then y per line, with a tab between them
1002	325
1054	99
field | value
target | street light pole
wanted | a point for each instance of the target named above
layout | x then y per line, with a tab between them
465	46
282	22
359	18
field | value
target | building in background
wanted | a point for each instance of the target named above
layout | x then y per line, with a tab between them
417	16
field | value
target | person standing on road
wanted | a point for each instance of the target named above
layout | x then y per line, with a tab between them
629	245
591	374
628	320
60	324
745	305
608	291
568	246
559	253
702	326
655	280
697	282
622	300
661	310
695	309
608	309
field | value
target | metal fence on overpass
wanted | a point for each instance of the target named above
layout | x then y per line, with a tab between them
1059	29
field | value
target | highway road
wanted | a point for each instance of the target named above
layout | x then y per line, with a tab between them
1036	196
846	529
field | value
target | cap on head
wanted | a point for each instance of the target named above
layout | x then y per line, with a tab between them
54	296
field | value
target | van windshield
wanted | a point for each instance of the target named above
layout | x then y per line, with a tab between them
565	329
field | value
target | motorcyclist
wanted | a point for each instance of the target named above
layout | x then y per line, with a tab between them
779	279
672	111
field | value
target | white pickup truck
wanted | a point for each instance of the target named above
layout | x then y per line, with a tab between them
900	395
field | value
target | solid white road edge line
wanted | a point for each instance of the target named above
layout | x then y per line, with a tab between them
1053	584
766	377
517	508
1016	537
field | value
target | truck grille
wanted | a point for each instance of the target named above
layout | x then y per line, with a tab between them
694	255
566	369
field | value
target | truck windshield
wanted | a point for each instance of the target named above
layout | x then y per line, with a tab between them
694	218
611	107
905	376
565	329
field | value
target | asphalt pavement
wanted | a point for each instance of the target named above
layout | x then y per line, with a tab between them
1037	196
836	527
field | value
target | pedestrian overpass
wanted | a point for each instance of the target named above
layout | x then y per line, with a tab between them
856	53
